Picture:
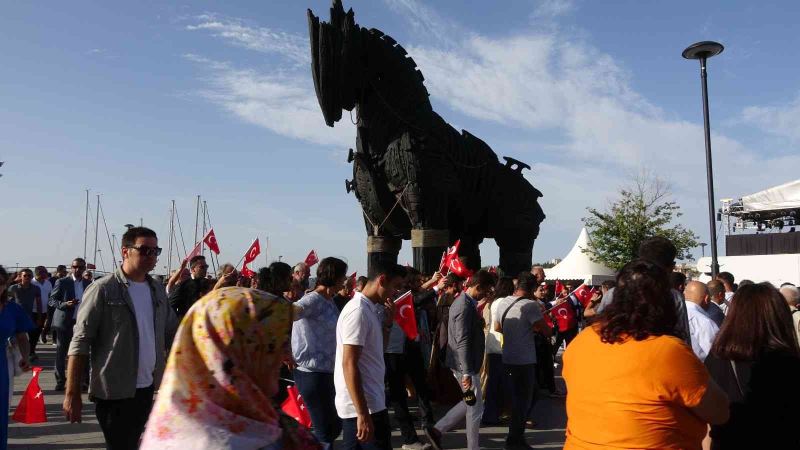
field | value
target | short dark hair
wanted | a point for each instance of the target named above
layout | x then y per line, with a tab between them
80	260
451	279
526	281
61	267
482	278
726	277
331	270
658	250
643	305
677	279
410	271
361	281
195	259
759	320
504	287
387	268
745	283
270	278
715	287
26	270
130	236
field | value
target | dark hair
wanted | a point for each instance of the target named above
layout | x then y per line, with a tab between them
130	236
727	277
362	281
452	279
61	267
26	270
482	278
410	271
608	284
389	269
758	321
659	250
3	292
745	283
330	271
526	281
677	279
195	259
272	278
643	305
504	287
81	260
715	287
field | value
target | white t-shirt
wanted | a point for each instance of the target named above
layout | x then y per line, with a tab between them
45	287
358	324
143	307
494	338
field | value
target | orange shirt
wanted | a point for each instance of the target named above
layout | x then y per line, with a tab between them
636	394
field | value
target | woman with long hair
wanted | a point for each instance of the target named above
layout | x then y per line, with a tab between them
314	348
755	359
631	382
14	322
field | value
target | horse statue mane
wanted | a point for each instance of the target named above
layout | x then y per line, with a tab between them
414	175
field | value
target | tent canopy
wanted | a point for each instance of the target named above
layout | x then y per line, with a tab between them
785	196
577	265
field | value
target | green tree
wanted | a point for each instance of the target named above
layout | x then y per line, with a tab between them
642	210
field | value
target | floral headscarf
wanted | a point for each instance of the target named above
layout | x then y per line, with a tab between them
215	394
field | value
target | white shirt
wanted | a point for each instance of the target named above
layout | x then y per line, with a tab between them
78	294
702	329
359	325
724	306
494	338
728	296
143	308
45	287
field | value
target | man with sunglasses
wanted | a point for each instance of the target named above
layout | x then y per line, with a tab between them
65	297
123	331
183	296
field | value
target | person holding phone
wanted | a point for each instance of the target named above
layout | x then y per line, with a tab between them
64	298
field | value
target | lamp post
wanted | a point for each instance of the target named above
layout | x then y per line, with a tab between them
702	51
703	248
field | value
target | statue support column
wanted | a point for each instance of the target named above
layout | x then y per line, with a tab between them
382	248
428	246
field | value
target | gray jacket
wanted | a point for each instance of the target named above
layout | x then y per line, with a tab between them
106	325
465	339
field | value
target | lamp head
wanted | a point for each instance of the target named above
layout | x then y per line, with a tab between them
704	49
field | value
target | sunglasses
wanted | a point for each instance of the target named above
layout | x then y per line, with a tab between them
78	267
204	266
147	251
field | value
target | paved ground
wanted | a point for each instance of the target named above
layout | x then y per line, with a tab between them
57	434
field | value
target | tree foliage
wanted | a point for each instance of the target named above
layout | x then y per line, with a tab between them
642	210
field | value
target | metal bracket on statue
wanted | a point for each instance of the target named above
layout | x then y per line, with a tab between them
351	156
350	186
515	164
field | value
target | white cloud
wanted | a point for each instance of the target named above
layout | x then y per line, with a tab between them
783	120
549	9
291	46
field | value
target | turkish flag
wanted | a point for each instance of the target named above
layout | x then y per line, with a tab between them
31	405
444	267
195	252
351	282
458	268
583	294
252	252
246	272
211	241
295	408
404	315
312	258
566	316
91	266
559	288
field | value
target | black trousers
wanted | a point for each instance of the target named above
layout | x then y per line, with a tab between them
382	439
123	421
63	338
33	335
522	379
544	363
397	367
564	336
496	388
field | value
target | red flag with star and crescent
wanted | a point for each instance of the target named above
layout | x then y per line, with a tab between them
404	315
31	405
211	241
583	294
295	408
312	258
252	252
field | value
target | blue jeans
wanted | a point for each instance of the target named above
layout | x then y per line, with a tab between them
381	440
318	394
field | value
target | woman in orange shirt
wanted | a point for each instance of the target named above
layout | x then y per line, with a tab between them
631	382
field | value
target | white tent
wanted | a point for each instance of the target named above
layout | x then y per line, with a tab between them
785	196
577	265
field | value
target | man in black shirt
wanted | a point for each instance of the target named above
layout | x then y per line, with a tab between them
183	296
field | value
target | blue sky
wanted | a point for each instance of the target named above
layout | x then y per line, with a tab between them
145	102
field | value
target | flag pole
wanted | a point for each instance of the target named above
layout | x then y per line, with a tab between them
86	225
203	244
96	223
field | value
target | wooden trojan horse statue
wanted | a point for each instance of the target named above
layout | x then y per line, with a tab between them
415	176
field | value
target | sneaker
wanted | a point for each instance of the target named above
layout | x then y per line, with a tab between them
434	437
417	446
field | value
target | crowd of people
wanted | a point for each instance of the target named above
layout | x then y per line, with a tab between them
653	361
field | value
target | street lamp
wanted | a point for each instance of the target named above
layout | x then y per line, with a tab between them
702	51
703	248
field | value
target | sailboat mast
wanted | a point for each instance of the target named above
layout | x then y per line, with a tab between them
96	226
196	219
86	225
203	244
171	234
